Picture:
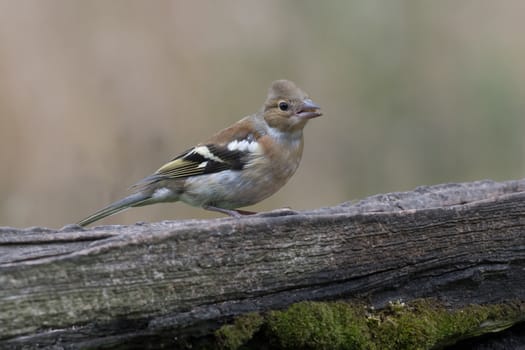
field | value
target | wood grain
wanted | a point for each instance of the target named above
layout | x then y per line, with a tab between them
461	243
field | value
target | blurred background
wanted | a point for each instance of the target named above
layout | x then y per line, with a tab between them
95	95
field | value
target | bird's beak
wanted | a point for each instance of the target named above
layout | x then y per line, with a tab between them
309	110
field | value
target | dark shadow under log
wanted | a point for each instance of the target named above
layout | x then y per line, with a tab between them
459	243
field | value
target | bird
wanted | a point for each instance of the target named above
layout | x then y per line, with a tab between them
239	166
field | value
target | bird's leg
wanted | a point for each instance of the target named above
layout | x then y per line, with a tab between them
279	212
245	212
230	212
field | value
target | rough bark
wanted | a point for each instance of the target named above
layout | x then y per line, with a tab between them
460	243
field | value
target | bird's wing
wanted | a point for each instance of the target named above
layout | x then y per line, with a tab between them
230	149
199	160
203	159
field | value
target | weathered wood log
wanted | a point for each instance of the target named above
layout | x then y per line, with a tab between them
460	243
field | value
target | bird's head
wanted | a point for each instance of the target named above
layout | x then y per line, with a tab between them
288	108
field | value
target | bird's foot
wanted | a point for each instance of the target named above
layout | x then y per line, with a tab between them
279	212
236	213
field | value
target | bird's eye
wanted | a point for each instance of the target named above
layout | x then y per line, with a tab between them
283	106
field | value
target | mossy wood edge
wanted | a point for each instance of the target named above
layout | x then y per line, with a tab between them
459	243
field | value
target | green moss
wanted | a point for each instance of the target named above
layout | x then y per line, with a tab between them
420	324
425	324
310	325
235	335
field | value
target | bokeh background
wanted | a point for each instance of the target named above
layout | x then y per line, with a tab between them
94	95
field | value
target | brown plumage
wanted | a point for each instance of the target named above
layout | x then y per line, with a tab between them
238	166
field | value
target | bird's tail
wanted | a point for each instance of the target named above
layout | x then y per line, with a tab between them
134	200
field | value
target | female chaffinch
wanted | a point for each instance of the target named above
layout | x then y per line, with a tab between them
239	166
